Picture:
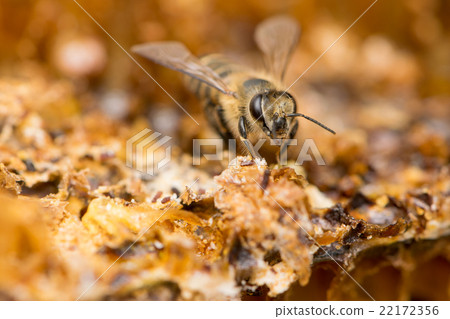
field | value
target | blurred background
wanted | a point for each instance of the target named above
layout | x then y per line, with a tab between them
391	69
70	97
397	46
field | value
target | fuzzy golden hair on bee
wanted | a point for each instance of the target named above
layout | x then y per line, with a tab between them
241	102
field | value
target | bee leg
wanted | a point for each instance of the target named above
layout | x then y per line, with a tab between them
249	147
282	156
243	134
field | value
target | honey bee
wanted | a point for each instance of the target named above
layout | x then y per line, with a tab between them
241	102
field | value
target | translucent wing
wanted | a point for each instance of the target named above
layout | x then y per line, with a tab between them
176	56
277	37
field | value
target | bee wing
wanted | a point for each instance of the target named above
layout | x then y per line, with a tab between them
277	37
176	56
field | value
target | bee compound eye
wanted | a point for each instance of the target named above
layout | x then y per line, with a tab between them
256	107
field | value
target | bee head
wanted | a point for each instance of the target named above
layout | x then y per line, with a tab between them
269	110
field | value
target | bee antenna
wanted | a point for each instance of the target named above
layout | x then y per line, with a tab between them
312	120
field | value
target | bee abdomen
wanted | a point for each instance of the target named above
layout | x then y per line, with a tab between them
219	65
